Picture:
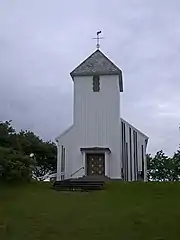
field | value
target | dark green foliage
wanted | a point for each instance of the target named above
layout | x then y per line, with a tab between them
163	168
44	153
15	151
14	165
6	131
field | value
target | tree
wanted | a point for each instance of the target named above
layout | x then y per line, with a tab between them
15	151
6	131
176	162
163	168
14	165
44	153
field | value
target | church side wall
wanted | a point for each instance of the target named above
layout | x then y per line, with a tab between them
72	159
133	152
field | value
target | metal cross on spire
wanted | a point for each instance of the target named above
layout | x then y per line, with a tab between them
98	39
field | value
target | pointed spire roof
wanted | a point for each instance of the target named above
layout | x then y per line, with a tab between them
98	64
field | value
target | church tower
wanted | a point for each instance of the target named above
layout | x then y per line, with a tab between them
97	86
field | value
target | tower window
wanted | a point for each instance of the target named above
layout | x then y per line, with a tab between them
96	83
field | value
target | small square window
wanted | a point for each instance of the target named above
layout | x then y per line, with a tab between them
96	83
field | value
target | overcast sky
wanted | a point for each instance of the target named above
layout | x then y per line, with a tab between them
41	41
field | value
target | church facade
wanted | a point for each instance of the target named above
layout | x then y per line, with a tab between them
100	142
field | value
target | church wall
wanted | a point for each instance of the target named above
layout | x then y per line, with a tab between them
69	142
97	116
132	159
76	138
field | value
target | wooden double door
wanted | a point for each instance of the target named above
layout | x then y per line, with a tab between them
95	164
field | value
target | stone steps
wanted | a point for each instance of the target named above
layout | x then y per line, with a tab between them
85	183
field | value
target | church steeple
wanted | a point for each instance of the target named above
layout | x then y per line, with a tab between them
98	64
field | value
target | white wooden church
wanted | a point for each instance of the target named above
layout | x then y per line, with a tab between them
100	142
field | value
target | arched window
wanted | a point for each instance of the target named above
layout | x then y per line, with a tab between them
96	83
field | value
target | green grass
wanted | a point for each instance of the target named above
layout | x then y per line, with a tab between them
127	211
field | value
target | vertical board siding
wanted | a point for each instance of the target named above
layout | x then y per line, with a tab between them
97	116
131	151
97	123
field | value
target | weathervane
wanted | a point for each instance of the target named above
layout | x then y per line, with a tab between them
98	39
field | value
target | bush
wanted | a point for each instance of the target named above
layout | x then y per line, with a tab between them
14	165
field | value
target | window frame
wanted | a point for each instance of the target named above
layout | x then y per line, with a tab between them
96	83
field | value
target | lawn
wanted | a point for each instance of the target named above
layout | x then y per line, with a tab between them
127	211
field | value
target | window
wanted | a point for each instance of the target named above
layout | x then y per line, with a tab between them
96	83
124	152
62	159
142	173
135	154
122	145
130	152
62	162
126	159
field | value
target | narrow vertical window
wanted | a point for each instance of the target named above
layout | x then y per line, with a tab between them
123	144
125	150
62	162
135	154
62	157
130	152
142	173
96	83
127	167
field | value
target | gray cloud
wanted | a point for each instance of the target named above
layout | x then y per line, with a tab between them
42	41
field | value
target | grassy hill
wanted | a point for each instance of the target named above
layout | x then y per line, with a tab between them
122	211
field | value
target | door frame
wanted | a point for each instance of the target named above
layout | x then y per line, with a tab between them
94	153
105	150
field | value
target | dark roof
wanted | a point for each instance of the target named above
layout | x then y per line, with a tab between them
98	64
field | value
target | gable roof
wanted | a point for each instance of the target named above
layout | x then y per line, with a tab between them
98	64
